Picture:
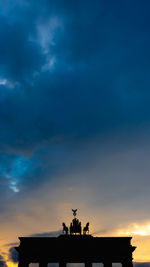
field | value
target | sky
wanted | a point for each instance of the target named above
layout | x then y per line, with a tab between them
74	120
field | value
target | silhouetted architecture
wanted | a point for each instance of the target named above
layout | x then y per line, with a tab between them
75	248
75	226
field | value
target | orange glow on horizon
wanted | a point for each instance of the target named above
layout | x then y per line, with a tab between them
136	229
11	264
139	232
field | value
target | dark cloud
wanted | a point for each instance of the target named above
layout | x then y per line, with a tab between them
2	262
89	90
141	264
13	255
19	56
48	234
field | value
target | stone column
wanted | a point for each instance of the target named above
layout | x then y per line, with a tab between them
88	264
42	264
23	263
107	264
127	263
62	264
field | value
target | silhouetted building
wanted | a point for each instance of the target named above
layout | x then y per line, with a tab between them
75	248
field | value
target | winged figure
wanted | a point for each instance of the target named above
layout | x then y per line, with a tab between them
74	212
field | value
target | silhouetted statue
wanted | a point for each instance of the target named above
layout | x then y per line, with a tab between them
86	229
71	229
74	212
80	229
65	228
75	227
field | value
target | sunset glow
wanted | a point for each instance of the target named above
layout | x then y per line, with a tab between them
135	229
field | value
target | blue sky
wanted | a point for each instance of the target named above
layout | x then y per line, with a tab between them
74	115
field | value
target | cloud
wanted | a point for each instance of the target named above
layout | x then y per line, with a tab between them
13	255
47	234
82	52
141	264
2	262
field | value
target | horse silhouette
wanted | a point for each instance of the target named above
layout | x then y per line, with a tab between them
65	228
86	229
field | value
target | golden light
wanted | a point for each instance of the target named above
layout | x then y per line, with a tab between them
11	264
136	229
